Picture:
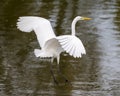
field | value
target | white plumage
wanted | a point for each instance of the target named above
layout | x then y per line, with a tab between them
72	45
52	45
40	26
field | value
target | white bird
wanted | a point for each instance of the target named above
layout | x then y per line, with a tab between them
52	45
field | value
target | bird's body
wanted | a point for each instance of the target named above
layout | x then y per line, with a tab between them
52	45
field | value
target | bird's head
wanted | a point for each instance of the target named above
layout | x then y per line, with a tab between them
82	18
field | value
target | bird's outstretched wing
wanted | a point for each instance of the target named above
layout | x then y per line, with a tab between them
72	45
42	28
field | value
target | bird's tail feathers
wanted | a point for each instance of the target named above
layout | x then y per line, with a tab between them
41	53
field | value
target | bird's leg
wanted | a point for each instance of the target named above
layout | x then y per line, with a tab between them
59	71
53	76
58	59
51	70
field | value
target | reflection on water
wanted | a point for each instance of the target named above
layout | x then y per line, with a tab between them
95	74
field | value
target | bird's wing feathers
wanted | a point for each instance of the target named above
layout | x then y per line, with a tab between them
42	27
72	45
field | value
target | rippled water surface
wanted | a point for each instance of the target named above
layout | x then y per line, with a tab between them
95	74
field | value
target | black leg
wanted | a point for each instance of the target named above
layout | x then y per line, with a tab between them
59	71
51	70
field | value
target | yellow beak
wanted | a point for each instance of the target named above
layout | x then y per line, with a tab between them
86	18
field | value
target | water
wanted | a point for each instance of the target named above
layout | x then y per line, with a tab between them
95	74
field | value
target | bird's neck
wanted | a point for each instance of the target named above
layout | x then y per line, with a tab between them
73	26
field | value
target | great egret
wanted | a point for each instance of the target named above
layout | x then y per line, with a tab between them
52	45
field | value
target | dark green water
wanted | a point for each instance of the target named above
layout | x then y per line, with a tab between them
96	74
